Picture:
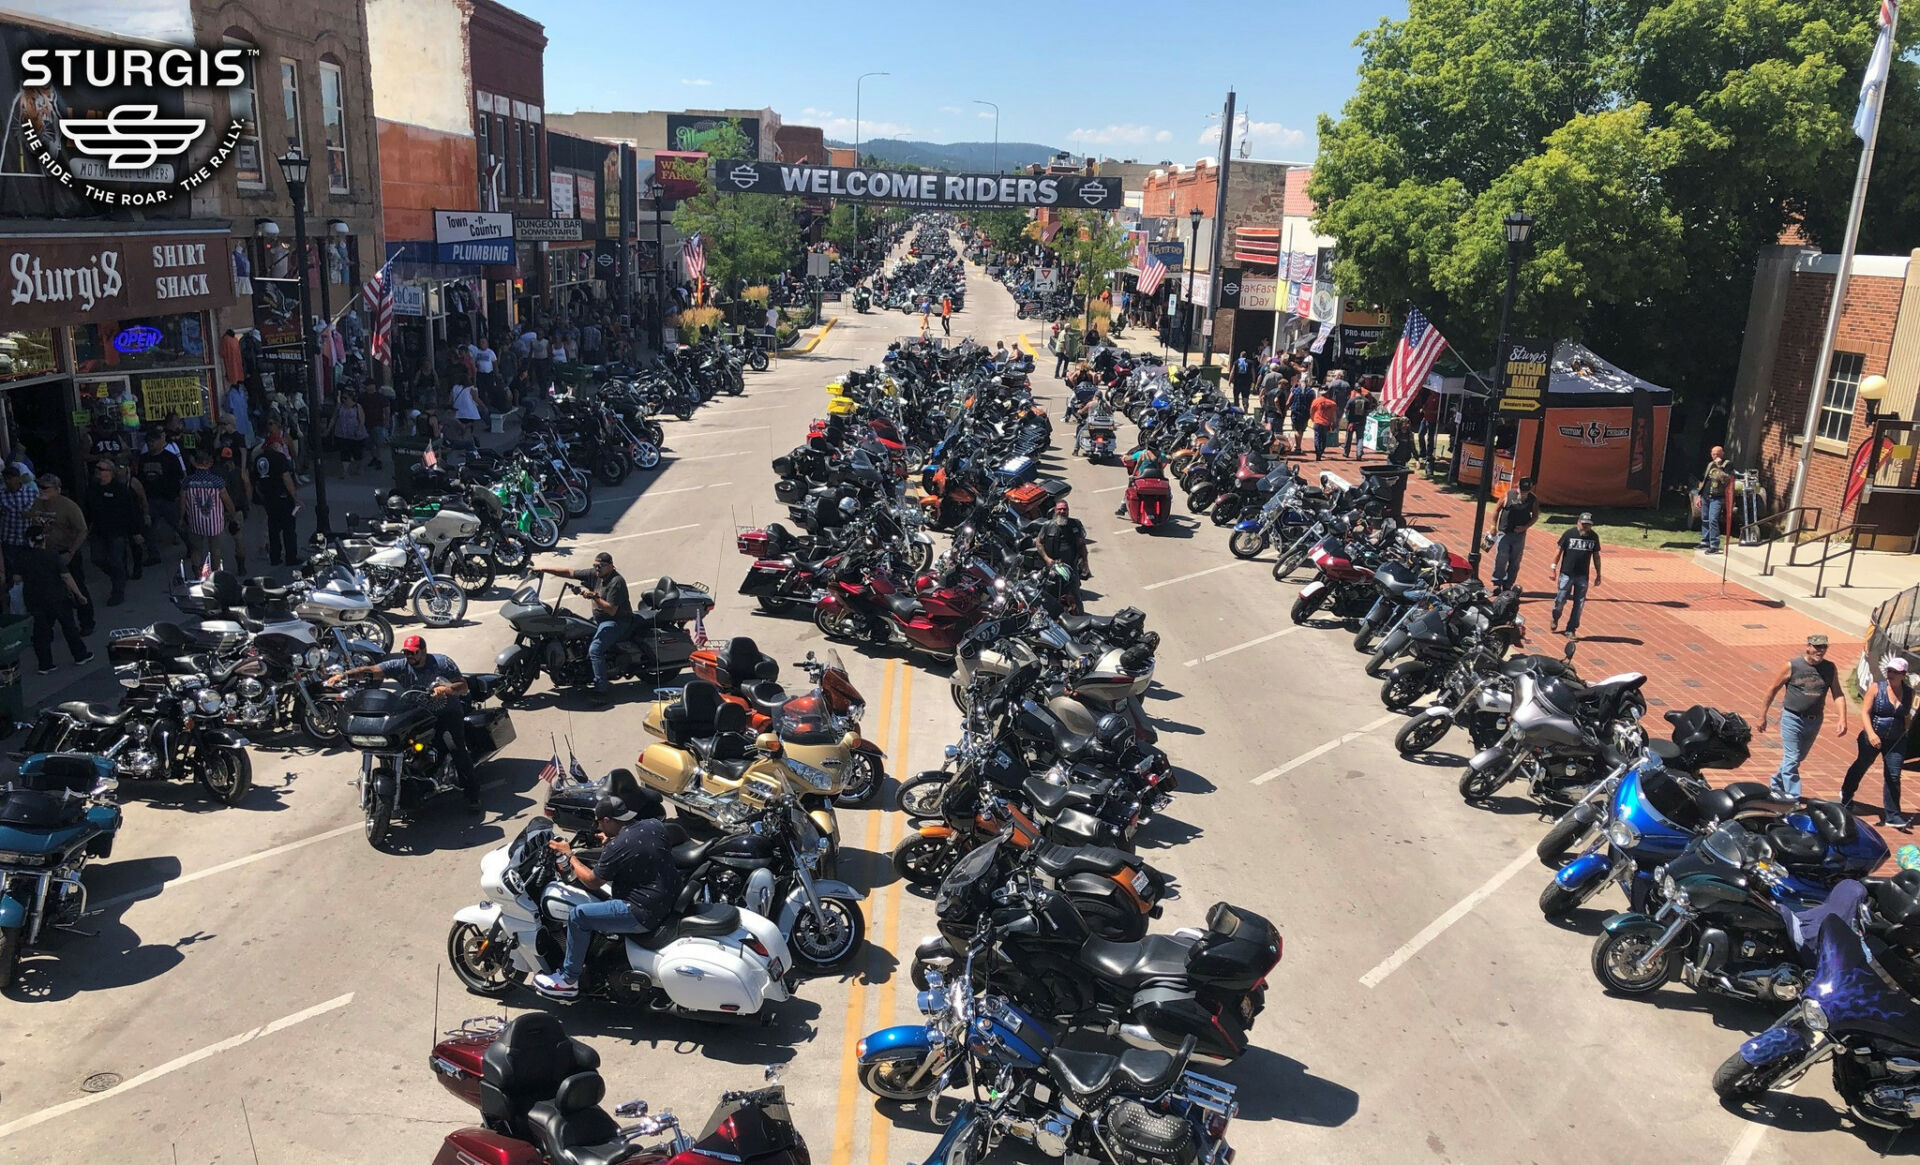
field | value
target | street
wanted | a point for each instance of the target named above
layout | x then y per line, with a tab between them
260	984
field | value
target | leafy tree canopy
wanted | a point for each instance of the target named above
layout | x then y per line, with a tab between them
1659	145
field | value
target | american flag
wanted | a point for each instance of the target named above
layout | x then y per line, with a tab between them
699	617
1873	85
552	772
378	296
1419	347
1152	270
695	257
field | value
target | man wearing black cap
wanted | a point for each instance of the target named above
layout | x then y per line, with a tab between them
1518	511
637	873
612	613
1579	552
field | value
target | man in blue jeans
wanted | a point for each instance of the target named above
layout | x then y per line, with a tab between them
612	613
1579	551
1713	499
637	873
1810	681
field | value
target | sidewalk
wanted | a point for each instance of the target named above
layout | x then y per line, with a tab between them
1847	603
1664	615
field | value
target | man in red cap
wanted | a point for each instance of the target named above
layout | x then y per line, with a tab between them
417	670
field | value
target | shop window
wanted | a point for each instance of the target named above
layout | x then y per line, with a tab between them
290	100
532	155
1836	404
167	341
28	353
485	126
510	166
243	104
333	125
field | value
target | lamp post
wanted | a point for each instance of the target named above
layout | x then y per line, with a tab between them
1193	248
996	132
657	193
856	149
294	167
1519	228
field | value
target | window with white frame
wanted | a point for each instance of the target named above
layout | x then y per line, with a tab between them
290	100
1843	388
333	125
243	105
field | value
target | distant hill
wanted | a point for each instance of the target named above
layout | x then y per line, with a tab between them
975	157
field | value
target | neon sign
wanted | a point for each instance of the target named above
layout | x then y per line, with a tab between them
137	339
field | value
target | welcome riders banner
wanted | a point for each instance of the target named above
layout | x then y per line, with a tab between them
917	187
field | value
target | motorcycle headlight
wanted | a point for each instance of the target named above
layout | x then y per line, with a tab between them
210	703
315	657
1666	885
1623	835
12	858
1814	1015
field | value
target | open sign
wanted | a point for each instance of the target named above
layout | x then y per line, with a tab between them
139	338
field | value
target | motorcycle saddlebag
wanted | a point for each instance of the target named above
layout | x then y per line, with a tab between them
1172	1014
1710	738
489	730
668	769
1136	1135
789	490
1237	951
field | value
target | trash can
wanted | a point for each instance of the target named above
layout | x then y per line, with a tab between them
1389	484
16	633
404	453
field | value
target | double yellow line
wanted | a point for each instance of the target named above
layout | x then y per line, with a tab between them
893	716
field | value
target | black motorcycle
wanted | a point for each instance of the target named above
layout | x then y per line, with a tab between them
405	763
169	728
549	638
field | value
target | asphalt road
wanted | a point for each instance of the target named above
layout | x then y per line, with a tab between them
264	986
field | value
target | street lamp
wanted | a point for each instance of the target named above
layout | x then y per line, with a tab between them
1193	248
996	132
657	193
1519	226
294	167
856	149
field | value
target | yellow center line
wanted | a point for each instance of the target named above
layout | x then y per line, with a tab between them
883	1005
850	1090
1028	345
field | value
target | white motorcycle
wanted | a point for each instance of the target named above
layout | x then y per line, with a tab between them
437	599
716	962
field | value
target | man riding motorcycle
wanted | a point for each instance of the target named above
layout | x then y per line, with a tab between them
636	869
438	676
612	612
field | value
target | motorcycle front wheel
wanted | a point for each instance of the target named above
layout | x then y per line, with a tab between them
829	938
922	861
683	410
1304	607
11	940
439	603
510	552
1558	843
864	778
1615	954
1420	734
1399	692
484	965
646	455
576	501
920	557
515	681
379	823
1247	543
612	468
542	533
472	571
836	624
757	360
323	720
227	773
377	629
889	1080
1479	784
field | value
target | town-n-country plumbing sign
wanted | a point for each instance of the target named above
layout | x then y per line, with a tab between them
917	187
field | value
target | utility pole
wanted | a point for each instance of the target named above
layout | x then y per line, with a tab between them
1219	224
856	150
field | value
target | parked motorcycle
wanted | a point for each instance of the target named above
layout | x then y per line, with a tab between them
56	813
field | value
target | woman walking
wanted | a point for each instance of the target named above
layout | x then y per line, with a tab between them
1889	714
350	432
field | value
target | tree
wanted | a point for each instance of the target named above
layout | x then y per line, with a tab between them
839	230
1659	145
1005	227
1095	246
747	238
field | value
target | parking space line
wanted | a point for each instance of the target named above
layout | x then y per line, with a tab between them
175	1064
1329	746
1438	926
1196	574
157	888
1112	489
720	432
1749	1142
850	1090
882	1128
1242	646
583	544
646	494
713	456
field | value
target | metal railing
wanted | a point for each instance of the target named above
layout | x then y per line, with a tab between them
1852	534
1752	533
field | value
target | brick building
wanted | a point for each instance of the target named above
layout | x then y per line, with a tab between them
802	145
1879	335
507	52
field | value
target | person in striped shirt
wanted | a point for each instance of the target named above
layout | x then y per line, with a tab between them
205	506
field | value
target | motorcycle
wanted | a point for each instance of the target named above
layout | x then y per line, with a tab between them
717	961
170	727
745	676
1095	440
404	763
549	638
56	813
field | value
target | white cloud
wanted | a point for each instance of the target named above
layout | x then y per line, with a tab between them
988	114
1165	135
951	109
810	111
695	81
841	129
1118	135
1260	133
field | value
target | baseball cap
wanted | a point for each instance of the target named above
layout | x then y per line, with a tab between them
1895	663
603	556
1816	641
1525	483
413	643
1586	519
611	808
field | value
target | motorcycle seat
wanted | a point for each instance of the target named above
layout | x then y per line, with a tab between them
693	715
1133	965
101	715
713	920
525	1066
1091	1074
766	696
1063	861
733	768
1075	624
572	1128
1795	846
1051	799
689	854
743	662
905	606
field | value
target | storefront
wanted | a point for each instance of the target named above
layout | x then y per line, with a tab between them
108	329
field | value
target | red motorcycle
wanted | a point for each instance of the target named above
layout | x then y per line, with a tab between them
787	571
1149	498
877	609
1344	584
539	1094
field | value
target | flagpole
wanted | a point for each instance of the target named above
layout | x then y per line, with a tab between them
352	299
1817	391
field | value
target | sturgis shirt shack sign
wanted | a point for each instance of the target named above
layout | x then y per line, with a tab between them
60	281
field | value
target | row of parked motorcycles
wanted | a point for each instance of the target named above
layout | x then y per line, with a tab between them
929	274
1729	890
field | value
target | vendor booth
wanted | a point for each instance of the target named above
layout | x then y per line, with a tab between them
1605	434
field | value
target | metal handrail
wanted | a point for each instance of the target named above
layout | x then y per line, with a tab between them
1853	544
1750	534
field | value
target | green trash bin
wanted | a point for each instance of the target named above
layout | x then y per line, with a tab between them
404	453
16	633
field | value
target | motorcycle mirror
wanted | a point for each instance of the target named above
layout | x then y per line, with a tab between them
632	1109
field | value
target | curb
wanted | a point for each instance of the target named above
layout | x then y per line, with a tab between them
813	343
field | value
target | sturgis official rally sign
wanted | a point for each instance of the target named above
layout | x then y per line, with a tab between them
140	151
917	187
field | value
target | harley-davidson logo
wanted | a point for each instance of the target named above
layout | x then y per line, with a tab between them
1594	434
1093	193
744	176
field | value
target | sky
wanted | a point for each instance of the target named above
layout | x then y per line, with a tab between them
1125	79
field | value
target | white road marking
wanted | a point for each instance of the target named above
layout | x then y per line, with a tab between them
174	1065
762	409
643	495
1458	911
714	456
1242	646
1326	748
1112	489
641	534
721	432
184	879
1196	574
1749	1142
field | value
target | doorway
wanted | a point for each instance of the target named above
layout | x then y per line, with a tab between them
39	421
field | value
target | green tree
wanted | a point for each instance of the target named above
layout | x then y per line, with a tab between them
839	229
748	238
1005	227
1659	145
726	140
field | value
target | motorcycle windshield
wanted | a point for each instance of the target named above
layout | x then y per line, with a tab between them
1856	993
836	687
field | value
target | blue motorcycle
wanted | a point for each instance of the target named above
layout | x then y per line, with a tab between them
1139	1106
55	814
1860	1010
1635	821
1281	519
